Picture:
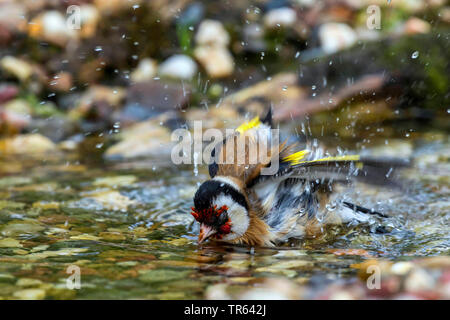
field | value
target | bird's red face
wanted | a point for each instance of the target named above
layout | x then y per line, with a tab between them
214	222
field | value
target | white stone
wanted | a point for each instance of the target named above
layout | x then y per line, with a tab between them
55	27
30	294
336	36
217	61
178	66
146	70
402	268
419	280
212	32
280	17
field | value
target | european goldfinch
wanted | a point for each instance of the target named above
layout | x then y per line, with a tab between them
240	205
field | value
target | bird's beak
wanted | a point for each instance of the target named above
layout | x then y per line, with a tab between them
205	233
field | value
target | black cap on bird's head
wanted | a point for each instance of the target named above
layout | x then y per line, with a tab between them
216	205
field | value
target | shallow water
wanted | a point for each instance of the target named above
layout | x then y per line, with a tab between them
127	226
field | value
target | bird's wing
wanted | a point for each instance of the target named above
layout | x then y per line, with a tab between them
303	165
251	134
302	186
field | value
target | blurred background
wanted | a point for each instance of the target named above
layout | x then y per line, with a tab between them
90	92
84	67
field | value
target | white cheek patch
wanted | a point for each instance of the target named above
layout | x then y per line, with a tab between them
237	214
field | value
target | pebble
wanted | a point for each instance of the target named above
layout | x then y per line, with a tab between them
145	71
160	275
18	106
10	243
19	68
217	61
26	144
89	16
415	25
51	26
212	32
178	66
61	82
253	35
117	181
28	282
141	139
16	228
30	294
401	268
8	92
280	17
419	280
336	36
12	16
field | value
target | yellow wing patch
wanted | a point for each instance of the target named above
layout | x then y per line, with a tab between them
295	158
254	123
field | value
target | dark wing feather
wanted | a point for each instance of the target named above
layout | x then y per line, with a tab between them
340	169
213	166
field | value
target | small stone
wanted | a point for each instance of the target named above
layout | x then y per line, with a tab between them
217	61
10	243
11	205
12	16
16	228
112	236
26	144
419	280
160	275
284	272
28	282
145	71
217	292
236	264
108	199
30	294
21	69
61	82
178	66
46	205
111	97
41	247
8	92
336	36
415	25
253	35
14	181
117	181
18	106
7	278
401	268
127	263
85	237
280	17
444	14
51	26
141	139
212	32
89	18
